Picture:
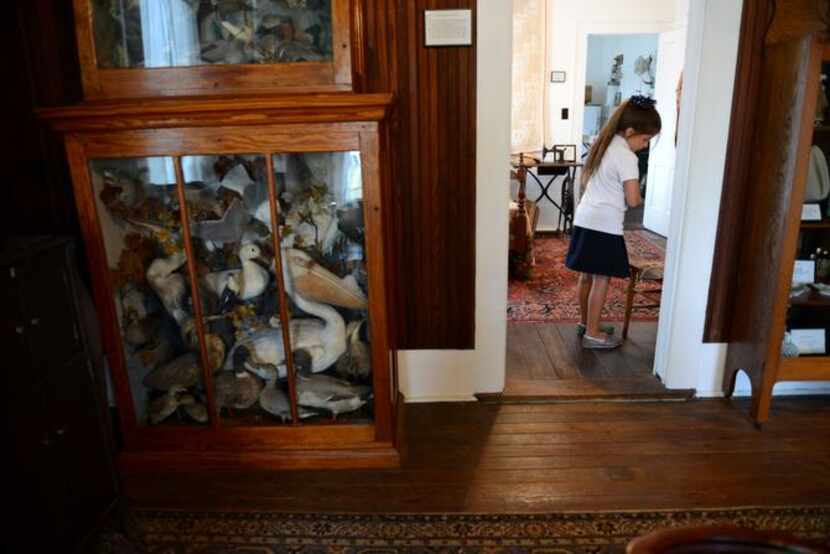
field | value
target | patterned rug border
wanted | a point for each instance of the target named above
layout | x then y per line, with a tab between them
467	529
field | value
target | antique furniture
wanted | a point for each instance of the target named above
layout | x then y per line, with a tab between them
555	170
237	248
167	48
642	270
524	216
57	416
754	309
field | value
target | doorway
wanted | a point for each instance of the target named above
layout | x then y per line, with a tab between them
545	357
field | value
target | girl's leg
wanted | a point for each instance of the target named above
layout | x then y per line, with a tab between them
585	282
596	300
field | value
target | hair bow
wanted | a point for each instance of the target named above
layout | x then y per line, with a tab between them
642	101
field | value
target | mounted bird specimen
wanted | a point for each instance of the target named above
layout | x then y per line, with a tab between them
330	394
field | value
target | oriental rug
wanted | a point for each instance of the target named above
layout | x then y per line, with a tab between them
550	295
560	533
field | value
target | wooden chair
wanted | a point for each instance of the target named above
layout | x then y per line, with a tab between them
524	215
723	540
642	270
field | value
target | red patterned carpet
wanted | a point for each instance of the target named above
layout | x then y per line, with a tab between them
550	294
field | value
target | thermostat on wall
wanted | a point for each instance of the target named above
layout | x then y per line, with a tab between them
448	27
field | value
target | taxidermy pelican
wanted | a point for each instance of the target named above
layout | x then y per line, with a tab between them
322	337
169	285
247	283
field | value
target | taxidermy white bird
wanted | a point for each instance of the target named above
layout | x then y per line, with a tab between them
247	283
169	285
322	337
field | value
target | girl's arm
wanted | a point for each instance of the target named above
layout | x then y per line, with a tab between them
632	193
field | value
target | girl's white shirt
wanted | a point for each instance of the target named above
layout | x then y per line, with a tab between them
602	207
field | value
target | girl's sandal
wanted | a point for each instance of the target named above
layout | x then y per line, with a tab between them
604	327
593	343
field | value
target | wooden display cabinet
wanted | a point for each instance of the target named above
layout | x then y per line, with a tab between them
774	235
194	47
238	254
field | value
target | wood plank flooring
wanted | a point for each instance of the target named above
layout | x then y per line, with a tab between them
472	457
546	361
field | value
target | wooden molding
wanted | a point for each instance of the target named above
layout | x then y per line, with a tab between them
200	111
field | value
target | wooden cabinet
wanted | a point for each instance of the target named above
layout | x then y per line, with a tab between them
766	307
57	417
194	47
238	252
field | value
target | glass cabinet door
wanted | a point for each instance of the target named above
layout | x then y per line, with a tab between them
180	33
324	256
233	249
139	216
276	345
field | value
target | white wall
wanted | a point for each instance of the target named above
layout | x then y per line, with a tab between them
683	360
457	375
600	56
569	24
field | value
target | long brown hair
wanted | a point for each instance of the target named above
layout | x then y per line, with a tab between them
638	113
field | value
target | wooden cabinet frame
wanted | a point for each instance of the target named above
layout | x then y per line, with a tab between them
258	125
213	79
782	48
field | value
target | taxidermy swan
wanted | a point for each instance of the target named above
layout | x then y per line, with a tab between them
169	285
323	338
247	283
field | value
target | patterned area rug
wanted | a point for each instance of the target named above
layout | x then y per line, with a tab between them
565	533
550	295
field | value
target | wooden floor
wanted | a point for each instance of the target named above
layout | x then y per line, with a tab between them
471	457
548	361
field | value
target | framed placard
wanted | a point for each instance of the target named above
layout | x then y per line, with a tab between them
804	272
448	27
558	76
811	212
810	341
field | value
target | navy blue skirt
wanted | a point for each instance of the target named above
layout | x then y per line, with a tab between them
597	253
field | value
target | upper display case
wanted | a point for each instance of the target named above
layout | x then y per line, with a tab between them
141	48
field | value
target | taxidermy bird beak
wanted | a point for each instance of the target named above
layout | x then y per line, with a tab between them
316	283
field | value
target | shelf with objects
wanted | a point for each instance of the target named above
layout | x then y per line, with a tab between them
780	322
132	49
807	335
239	266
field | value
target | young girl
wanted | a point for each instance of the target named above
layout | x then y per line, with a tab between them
611	181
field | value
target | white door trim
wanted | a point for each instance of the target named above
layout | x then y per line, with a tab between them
688	106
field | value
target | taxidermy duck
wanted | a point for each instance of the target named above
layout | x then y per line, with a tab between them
165	405
197	411
273	399
168	284
323	337
183	371
330	394
356	362
247	283
236	391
